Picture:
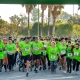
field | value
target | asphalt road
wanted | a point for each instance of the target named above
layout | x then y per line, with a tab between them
41	75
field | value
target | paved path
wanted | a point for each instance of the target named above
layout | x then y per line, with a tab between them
42	75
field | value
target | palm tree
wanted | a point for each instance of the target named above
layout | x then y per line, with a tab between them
43	8
49	11
29	8
56	11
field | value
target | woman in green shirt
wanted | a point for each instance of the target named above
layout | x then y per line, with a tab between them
62	55
11	49
53	57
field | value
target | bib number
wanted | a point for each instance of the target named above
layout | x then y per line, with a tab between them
53	57
36	49
63	52
75	53
26	49
69	54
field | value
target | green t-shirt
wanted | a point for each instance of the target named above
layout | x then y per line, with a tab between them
69	52
47	50
62	49
11	48
1	50
76	54
53	53
26	48
37	48
21	43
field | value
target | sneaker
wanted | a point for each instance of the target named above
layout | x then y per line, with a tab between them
36	71
40	68
73	72
27	74
9	71
64	72
5	70
59	68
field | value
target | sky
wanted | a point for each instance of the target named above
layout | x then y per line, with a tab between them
7	10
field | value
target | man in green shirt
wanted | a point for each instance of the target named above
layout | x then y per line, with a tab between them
26	48
76	58
37	48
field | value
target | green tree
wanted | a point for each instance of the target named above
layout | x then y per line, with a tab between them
56	11
29	8
64	16
34	13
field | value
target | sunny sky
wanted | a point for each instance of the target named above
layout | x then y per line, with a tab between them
7	10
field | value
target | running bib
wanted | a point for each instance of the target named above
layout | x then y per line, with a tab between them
75	53
45	45
69	54
53	57
5	52
26	49
63	52
36	49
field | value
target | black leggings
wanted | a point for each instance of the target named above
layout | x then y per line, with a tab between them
10	61
75	65
48	60
69	61
1	62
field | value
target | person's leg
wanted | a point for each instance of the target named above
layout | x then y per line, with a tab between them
51	66
1	64
12	62
77	65
48	61
9	62
74	65
34	61
68	64
64	63
27	59
38	62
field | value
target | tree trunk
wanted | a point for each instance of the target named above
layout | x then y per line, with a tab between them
42	23
48	20
53	29
28	25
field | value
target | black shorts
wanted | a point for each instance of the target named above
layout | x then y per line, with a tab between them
35	57
26	58
63	55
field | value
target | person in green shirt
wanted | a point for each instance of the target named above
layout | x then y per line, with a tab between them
53	57
11	49
69	56
37	48
76	59
1	54
26	49
62	55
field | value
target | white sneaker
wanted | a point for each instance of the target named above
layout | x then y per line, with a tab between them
73	72
64	72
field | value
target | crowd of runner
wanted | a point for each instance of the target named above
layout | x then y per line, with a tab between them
62	52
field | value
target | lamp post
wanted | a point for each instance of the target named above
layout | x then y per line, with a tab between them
38	19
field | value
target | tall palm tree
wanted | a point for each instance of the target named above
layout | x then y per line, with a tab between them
49	11
43	8
29	8
56	11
